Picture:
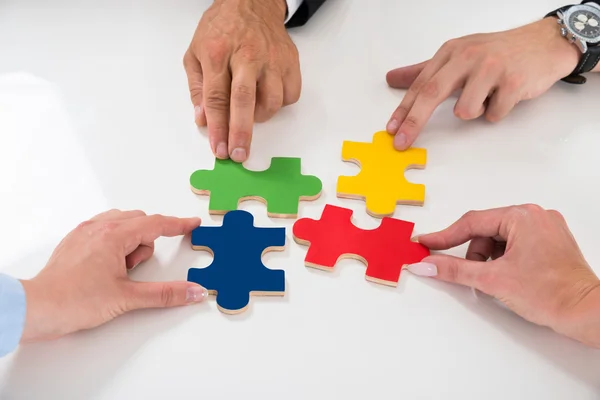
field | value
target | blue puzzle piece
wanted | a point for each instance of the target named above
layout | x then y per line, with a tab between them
237	269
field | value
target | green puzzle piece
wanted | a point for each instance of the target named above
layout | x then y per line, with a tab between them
281	186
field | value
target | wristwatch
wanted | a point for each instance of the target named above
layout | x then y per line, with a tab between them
580	24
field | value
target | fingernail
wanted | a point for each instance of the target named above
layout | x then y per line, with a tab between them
400	140
415	238
393	125
222	150
195	294
197	112
238	154
422	269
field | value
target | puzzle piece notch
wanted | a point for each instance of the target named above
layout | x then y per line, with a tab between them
237	271
381	181
281	187
384	250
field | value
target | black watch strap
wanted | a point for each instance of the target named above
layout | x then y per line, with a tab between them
588	61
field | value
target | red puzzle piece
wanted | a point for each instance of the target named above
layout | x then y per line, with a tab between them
384	250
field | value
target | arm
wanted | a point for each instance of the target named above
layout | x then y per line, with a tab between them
494	72
12	313
85	282
526	257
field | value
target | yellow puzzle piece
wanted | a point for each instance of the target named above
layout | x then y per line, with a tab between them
381	180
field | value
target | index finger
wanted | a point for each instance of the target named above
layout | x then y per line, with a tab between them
493	223
216	93
243	103
431	94
145	230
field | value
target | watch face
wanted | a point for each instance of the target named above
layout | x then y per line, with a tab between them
584	21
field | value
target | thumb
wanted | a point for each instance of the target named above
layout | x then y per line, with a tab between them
165	294
193	70
402	78
474	274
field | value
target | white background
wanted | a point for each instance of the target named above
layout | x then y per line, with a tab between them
95	114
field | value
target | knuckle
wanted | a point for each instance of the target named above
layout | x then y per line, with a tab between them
415	88
187	59
155	218
470	51
450	45
489	64
556	214
250	52
84	225
217	99
217	50
411	122
243	94
402	111
531	208
167	295
107	229
273	103
430	90
470	215
513	82
523	211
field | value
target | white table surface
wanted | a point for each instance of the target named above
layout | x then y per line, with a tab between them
95	114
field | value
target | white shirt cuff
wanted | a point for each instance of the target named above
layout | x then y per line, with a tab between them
292	6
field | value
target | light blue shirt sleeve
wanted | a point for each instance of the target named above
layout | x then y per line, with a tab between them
12	313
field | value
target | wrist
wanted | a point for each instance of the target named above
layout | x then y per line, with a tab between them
40	321
582	322
565	55
274	8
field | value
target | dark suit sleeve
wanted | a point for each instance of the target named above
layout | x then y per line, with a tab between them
304	13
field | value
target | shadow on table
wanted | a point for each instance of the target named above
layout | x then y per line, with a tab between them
582	363
80	365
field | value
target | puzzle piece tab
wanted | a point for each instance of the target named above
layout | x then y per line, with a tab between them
384	250
237	270
280	187
381	181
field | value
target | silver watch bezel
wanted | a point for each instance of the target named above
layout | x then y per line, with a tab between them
573	36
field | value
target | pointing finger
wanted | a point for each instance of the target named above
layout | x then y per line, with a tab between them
243	103
431	94
216	98
145	230
487	224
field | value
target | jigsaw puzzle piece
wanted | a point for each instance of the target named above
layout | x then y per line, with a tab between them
281	187
331	229
334	236
292	187
381	181
237	271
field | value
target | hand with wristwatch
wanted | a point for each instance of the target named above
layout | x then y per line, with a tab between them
580	25
493	72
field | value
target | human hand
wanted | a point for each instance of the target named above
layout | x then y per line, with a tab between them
495	71
537	269
241	66
85	282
